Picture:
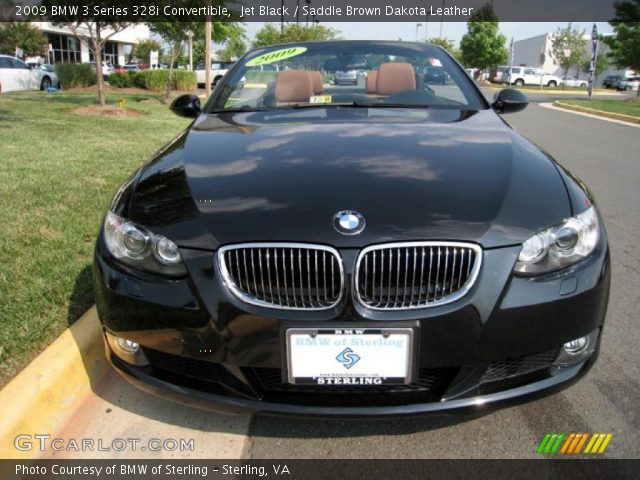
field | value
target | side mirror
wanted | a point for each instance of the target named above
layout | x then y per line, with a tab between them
186	106
509	101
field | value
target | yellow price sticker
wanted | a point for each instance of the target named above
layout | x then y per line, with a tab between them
320	99
276	56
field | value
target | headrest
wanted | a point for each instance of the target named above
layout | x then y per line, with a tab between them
394	78
293	86
372	77
316	80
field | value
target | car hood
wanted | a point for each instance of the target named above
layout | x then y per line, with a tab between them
413	174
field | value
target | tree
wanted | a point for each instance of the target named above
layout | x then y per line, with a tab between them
447	44
22	35
234	48
142	51
625	45
94	34
175	35
483	46
568	40
270	34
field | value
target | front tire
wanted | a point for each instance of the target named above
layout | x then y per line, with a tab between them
216	80
519	83
552	83
45	84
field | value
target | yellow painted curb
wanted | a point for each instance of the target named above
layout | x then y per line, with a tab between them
42	397
601	113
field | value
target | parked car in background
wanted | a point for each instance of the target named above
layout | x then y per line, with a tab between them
570	81
16	75
630	83
119	69
107	68
435	75
611	80
218	70
48	76
496	75
345	77
521	76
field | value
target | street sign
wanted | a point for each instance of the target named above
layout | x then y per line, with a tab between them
153	58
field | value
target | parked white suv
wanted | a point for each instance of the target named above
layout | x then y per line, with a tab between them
521	76
218	70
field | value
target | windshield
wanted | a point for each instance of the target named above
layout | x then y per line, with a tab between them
358	74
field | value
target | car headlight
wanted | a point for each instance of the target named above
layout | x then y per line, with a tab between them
560	246
140	248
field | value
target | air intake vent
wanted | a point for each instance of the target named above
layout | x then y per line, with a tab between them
283	275
405	276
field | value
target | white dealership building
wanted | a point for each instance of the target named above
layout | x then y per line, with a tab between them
536	52
64	47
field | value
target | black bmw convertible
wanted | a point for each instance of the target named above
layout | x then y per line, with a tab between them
389	247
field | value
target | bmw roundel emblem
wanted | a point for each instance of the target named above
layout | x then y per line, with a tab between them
348	222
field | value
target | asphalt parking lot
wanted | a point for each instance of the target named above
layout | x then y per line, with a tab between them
605	156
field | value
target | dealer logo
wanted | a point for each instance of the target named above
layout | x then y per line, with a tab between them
348	358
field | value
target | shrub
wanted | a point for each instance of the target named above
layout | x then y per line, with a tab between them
156	80
184	80
76	75
120	80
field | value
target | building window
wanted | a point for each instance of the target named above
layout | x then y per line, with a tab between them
64	48
109	53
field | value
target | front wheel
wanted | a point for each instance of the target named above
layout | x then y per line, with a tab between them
519	83
552	83
216	80
45	84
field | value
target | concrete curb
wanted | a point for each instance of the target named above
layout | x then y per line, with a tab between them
601	113
43	396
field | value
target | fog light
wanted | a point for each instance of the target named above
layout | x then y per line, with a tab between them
576	346
127	345
577	350
126	349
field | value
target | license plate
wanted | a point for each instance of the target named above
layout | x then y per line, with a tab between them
349	356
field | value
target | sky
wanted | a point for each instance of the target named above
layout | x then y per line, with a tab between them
451	30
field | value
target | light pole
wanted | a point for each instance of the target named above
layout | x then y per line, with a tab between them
308	3
190	35
592	66
426	28
442	21
297	12
282	16
418	25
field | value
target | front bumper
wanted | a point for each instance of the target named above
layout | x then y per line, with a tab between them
208	349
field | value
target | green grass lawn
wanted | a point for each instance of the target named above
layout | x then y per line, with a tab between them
614	106
58	172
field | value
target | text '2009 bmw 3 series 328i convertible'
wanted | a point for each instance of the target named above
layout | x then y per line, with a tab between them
389	247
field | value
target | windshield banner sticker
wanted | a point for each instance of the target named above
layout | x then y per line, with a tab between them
276	56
